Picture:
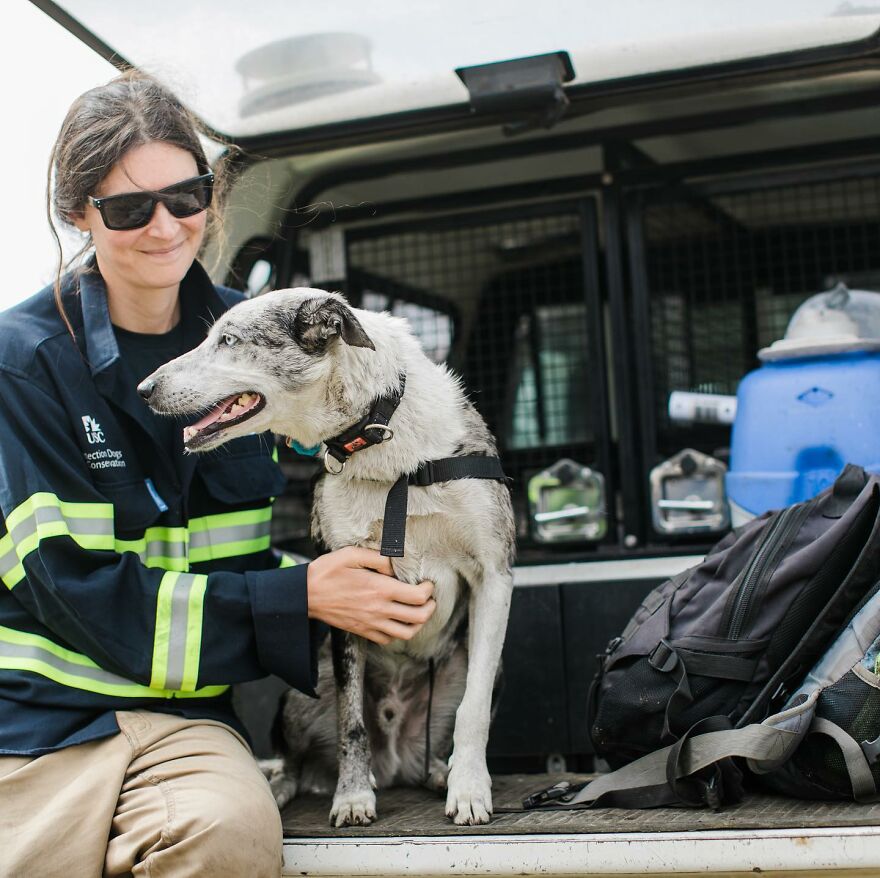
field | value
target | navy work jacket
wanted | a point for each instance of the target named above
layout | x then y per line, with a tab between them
131	577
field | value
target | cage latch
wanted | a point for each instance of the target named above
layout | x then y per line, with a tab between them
529	89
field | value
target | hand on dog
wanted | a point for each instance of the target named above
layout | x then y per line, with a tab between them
355	589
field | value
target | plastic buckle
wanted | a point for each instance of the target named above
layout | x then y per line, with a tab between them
423	476
557	791
663	657
712	793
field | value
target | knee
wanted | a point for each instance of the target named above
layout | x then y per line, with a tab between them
239	833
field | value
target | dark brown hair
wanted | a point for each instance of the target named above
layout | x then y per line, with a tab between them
101	126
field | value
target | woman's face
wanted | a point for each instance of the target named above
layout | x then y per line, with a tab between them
157	256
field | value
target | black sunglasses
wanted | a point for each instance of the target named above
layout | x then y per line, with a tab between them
133	210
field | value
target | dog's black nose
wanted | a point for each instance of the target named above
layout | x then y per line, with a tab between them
146	388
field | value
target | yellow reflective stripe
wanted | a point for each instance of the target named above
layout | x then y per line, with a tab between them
165	547
286	561
229	534
194	620
90	525
44	515
21	651
230	519
178	636
162	636
70	510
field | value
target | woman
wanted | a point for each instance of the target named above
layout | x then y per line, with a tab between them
139	583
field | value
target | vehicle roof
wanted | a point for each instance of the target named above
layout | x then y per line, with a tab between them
250	71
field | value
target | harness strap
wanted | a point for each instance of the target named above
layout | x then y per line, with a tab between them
429	472
428	719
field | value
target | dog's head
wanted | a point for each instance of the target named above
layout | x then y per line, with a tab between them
262	360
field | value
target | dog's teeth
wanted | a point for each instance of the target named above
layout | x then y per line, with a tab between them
244	399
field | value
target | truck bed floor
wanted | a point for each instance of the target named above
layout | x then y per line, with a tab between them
416	812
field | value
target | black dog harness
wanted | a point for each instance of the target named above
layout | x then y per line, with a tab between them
373	429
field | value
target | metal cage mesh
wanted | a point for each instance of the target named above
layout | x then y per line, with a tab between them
502	300
725	272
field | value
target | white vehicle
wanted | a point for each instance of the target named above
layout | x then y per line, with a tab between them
583	208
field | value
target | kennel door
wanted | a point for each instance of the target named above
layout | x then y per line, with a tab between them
510	300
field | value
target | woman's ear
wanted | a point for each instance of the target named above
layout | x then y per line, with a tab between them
80	221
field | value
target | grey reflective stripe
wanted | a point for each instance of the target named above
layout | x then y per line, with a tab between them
8	562
67	668
48	514
164	549
177	631
232	534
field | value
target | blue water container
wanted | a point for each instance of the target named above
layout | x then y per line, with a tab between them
799	420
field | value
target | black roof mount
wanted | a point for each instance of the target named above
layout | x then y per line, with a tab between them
529	89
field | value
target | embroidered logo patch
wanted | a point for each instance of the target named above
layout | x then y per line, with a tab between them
94	433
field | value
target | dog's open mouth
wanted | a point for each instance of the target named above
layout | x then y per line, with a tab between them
230	411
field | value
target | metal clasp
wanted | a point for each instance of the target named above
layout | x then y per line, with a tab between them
388	432
333	472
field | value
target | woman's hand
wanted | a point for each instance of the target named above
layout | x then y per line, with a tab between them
355	589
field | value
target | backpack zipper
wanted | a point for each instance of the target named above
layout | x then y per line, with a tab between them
766	553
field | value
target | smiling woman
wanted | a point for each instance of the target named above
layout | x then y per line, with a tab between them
139	579
142	266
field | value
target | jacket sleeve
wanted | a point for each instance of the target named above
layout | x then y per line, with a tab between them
170	631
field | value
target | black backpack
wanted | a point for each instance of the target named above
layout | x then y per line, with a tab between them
722	645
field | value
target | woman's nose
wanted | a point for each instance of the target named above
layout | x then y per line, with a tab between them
162	223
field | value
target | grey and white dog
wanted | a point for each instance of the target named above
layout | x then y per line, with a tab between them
305	365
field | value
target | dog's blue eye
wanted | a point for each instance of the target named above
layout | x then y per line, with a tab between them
229	339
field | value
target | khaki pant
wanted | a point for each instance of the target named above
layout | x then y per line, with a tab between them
167	797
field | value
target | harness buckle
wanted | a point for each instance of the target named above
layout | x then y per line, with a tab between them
423	476
557	791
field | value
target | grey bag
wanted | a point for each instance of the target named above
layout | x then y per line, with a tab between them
839	701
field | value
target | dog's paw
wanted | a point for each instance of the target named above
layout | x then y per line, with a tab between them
283	785
353	808
469	797
270	767
437	774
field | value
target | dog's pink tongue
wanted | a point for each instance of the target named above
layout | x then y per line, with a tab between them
214	413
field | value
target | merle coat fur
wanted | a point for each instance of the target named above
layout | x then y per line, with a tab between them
316	365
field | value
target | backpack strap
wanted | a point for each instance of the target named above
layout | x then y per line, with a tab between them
857	767
679	662
697	770
846	488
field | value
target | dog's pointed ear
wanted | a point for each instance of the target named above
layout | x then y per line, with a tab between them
314	327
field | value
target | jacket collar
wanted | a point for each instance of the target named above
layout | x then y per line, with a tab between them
199	301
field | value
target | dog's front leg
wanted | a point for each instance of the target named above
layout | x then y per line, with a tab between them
354	803
469	787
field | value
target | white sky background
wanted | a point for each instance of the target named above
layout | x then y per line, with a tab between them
42	68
